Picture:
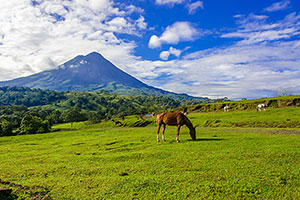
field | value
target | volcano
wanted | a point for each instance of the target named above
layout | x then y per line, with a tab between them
88	73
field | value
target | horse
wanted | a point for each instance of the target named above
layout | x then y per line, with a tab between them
226	108
261	106
174	119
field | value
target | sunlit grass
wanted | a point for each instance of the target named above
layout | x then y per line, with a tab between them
87	163
271	118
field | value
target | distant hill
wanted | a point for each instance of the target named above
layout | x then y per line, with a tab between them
89	73
271	102
103	102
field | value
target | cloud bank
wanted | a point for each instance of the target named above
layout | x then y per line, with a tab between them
263	60
39	35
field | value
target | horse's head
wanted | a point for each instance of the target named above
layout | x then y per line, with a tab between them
193	133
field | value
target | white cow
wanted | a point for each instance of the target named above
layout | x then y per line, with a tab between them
226	108
261	106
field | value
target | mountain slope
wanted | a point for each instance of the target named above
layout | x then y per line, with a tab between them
88	73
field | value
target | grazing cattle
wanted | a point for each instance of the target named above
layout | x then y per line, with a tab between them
261	106
174	119
226	108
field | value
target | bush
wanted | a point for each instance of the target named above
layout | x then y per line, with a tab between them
5	128
32	124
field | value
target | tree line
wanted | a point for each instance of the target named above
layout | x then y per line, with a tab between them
27	111
20	120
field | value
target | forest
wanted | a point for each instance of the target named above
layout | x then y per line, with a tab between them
28	111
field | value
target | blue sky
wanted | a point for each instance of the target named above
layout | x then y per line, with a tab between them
209	48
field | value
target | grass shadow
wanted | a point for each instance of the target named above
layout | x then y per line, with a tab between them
190	140
207	139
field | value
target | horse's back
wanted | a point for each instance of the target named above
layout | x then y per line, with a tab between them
172	119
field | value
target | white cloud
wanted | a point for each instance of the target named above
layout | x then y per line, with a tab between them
281	5
169	2
164	55
140	22
254	29
122	25
94	5
154	42
133	9
178	32
175	52
193	7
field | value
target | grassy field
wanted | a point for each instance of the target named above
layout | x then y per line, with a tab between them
92	162
272	118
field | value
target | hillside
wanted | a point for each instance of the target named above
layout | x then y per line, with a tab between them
27	111
89	73
47	107
272	102
91	101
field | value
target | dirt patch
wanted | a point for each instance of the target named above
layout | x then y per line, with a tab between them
35	192
280	131
259	130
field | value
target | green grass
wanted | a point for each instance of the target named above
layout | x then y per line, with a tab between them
271	118
224	163
288	117
85	164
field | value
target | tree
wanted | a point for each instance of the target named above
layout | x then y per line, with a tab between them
33	124
73	115
283	92
5	127
55	117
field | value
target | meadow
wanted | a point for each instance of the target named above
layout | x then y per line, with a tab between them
234	157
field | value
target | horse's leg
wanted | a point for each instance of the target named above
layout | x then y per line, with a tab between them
158	128
163	132
177	134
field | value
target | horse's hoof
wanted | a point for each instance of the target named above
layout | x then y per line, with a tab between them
177	141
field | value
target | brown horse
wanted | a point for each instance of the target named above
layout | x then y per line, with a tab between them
174	119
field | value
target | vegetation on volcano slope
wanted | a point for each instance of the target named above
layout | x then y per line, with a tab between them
93	101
